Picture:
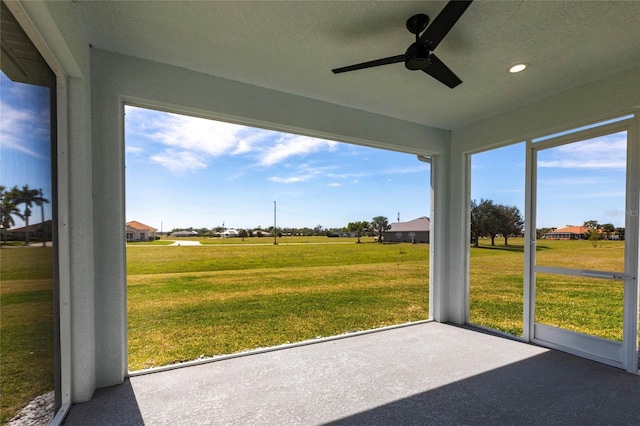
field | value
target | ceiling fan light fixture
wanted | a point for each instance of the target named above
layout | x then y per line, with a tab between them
514	69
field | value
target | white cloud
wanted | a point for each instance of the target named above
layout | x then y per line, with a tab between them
335	184
606	152
302	173
382	172
294	146
583	164
23	130
291	179
209	139
133	149
179	162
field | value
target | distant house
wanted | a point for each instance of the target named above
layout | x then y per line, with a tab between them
228	233
137	231
576	233
567	233
35	230
260	233
414	231
184	234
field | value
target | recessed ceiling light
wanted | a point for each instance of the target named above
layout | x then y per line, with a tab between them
518	67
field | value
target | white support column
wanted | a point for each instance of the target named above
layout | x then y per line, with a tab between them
451	244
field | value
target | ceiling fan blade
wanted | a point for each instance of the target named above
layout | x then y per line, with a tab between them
438	70
441	25
370	64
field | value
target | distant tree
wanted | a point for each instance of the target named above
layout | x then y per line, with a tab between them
594	237
8	209
203	231
491	220
380	224
620	232
486	220
475	223
591	224
28	197
542	231
358	227
317	230
510	221
40	201
608	229
243	233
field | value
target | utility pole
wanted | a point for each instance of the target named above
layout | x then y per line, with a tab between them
275	234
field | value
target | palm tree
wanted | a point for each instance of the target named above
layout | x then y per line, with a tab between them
8	209
40	200
27	197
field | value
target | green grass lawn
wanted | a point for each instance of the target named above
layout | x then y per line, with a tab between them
232	297
587	305
26	327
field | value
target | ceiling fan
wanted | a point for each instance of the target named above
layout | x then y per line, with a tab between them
419	56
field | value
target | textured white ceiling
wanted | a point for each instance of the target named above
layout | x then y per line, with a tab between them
292	47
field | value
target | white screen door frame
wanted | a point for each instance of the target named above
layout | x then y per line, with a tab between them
620	354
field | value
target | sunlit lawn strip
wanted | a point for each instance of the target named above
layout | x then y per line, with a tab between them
26	340
188	302
228	312
152	260
25	263
150	243
588	306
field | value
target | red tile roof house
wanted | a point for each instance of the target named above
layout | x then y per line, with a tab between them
137	231
569	233
414	231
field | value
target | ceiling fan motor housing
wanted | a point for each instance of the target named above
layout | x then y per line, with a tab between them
417	57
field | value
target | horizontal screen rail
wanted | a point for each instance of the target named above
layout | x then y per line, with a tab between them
584	273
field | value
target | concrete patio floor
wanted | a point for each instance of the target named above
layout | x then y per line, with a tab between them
422	374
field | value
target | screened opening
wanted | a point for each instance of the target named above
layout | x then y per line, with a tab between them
583	265
581	203
241	238
496	254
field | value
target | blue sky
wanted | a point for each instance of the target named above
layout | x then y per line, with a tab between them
575	183
183	171
25	152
